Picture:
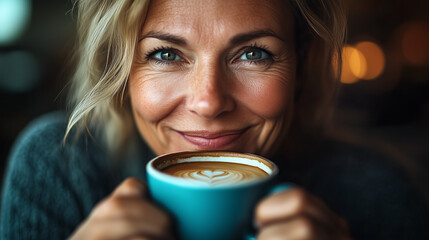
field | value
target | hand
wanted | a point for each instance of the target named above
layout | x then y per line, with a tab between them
125	214
296	214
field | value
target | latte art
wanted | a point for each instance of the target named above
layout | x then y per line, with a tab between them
213	177
215	172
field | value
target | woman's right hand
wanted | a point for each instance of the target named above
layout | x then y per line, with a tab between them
125	214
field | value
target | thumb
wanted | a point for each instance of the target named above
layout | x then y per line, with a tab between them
130	187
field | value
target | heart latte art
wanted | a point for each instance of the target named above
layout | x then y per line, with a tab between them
215	172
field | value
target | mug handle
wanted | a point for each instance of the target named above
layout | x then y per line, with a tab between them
274	190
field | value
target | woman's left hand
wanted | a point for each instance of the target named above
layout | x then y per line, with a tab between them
297	214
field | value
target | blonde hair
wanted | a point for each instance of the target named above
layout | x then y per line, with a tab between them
107	36
108	33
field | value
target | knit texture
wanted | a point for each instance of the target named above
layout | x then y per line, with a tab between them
49	189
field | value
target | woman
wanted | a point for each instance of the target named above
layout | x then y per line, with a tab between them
165	76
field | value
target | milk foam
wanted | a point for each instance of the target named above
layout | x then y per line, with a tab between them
214	177
215	173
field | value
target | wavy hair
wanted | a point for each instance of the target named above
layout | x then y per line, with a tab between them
320	33
107	38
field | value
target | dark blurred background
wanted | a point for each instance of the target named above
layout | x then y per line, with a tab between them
385	85
36	39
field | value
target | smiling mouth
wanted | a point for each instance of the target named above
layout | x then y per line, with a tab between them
212	140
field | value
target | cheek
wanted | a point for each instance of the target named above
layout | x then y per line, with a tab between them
268	95
154	95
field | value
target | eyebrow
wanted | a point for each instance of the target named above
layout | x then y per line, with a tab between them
165	37
240	38
248	36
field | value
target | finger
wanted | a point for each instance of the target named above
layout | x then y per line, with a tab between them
297	228
131	187
117	228
301	227
295	202
337	221
292	203
131	217
119	217
129	207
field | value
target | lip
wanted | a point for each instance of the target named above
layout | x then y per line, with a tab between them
212	140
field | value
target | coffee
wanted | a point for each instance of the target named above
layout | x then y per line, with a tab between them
210	195
215	168
215	172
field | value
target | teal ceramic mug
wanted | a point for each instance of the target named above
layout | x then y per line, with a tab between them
210	195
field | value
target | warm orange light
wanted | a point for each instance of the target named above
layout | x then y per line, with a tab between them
415	43
357	63
374	60
354	65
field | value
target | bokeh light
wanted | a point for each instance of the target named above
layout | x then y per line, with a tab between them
374	58
364	60
19	71
415	43
354	65
14	17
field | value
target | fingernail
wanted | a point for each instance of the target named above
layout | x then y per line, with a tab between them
281	187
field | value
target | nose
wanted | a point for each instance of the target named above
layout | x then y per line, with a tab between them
209	91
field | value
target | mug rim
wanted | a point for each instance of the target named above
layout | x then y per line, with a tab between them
155	172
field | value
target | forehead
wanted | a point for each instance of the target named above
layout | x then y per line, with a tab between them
220	17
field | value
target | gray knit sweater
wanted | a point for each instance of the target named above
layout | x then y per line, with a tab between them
49	189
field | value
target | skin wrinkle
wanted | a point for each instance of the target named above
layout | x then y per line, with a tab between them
211	88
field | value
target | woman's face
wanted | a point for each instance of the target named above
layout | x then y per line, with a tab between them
214	75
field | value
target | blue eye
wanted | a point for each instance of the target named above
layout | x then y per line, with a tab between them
166	55
254	54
